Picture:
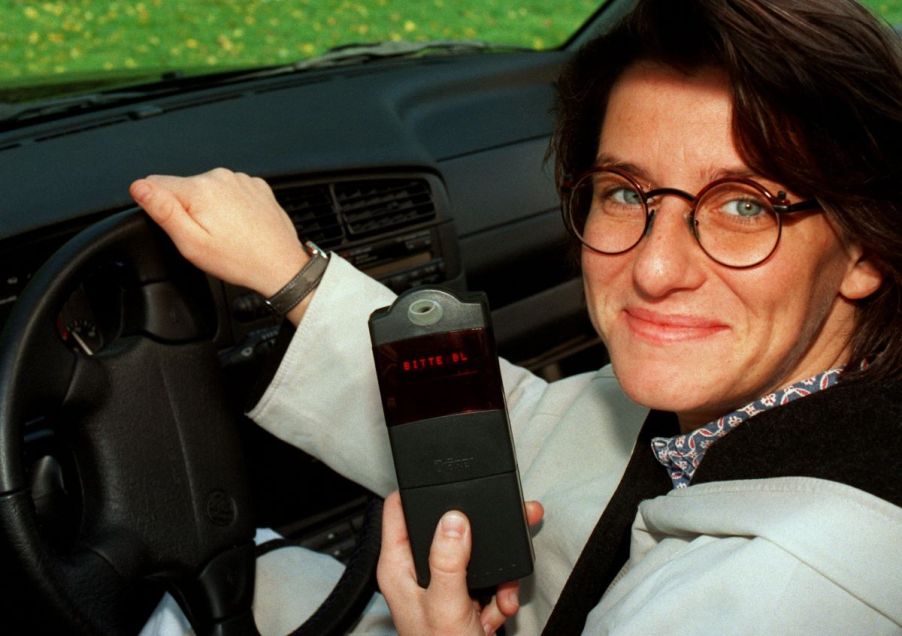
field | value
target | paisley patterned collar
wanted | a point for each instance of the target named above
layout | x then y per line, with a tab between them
681	455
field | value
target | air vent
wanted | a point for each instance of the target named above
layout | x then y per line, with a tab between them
313	213
372	207
344	211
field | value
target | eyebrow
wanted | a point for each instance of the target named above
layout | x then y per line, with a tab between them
603	160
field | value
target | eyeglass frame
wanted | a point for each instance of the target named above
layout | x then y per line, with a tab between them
779	204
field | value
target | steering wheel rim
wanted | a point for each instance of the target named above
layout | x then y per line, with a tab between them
207	500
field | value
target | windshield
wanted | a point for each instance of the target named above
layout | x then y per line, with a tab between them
57	48
54	48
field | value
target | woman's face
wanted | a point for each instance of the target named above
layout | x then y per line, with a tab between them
684	333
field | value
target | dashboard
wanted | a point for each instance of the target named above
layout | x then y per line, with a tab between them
418	171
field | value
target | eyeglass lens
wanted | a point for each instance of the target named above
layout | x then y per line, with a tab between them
735	223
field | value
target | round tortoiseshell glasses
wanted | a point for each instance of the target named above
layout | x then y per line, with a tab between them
736	221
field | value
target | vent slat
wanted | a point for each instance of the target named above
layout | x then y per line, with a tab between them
350	198
377	206
424	207
365	207
313	214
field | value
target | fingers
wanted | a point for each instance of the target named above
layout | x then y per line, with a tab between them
506	601
167	211
228	224
507	598
395	558
159	203
534	512
394	529
450	551
208	187
503	605
446	605
447	598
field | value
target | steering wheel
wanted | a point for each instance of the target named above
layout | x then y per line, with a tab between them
132	479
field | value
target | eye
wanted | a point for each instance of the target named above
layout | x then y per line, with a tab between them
624	196
744	207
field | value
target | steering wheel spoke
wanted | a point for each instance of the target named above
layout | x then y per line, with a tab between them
132	447
139	434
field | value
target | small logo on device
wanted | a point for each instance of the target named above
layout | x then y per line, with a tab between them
221	508
453	464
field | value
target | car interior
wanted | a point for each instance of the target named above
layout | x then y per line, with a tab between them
422	170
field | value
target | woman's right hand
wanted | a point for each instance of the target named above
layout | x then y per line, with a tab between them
445	607
226	223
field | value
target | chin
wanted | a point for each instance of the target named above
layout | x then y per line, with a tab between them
669	386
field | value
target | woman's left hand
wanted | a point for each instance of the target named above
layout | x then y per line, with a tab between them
445	607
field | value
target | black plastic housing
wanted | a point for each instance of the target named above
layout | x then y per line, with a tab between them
449	430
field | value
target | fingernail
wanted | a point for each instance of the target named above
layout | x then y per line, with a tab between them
488	629
453	524
140	190
513	598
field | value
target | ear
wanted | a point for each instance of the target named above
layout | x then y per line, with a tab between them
862	279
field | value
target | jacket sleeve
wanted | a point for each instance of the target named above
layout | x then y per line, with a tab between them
324	397
785	555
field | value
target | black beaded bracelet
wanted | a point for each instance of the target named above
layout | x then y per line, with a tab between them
304	282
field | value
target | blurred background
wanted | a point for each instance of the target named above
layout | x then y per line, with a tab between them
72	41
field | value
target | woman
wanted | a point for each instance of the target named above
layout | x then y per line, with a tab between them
732	171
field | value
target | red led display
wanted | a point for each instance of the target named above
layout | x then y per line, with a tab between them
423	363
430	376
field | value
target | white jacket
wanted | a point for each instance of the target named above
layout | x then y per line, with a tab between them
789	555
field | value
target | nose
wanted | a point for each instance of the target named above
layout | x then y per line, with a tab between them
668	258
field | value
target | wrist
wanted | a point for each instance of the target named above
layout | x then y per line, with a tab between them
296	314
280	270
301	284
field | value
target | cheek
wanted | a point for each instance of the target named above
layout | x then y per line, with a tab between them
784	307
602	281
590	294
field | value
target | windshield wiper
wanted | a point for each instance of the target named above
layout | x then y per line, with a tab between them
12	112
175	81
354	53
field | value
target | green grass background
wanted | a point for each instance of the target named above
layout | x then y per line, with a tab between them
55	38
43	38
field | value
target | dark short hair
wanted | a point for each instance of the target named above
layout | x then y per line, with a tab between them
817	107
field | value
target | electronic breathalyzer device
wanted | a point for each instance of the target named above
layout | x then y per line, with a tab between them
450	435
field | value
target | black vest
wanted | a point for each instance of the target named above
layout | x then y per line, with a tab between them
849	433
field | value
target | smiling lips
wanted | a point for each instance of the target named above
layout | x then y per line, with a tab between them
670	328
